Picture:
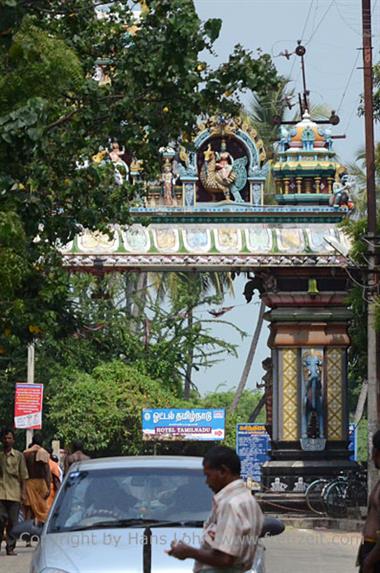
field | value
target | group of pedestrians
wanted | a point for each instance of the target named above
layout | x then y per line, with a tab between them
29	482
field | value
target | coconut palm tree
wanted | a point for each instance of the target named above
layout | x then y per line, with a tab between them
170	286
357	170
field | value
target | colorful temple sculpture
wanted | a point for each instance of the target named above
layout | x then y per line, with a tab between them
225	166
208	212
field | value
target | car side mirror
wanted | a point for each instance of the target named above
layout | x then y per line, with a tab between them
272	526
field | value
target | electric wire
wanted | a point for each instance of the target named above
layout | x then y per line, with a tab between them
350	78
348	81
302	35
320	22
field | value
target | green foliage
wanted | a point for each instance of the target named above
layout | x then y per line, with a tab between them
362	433
247	404
357	366
38	66
53	118
376	93
104	407
54	115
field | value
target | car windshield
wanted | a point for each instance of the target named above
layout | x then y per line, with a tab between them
121	496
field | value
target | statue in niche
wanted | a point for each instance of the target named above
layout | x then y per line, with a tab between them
308	138
312	415
256	194
283	144
221	173
168	181
341	193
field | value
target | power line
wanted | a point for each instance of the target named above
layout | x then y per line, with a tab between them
353	67
320	21
349	80
303	33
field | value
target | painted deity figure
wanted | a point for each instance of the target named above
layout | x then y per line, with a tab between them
121	168
341	193
328	138
284	139
224	165
168	184
308	139
312	417
189	195
221	174
101	76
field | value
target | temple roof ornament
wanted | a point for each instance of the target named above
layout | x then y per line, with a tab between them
307	170
307	135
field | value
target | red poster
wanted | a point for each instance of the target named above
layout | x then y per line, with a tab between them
28	406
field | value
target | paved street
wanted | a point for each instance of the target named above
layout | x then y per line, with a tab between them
312	551
295	551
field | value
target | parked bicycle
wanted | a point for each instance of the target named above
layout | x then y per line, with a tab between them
338	497
346	493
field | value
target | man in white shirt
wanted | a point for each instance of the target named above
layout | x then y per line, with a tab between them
231	532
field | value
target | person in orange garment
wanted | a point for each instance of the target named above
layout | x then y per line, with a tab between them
38	484
55	478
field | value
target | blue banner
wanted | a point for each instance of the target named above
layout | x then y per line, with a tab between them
182	424
252	446
353	442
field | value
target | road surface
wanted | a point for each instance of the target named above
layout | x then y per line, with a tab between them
295	551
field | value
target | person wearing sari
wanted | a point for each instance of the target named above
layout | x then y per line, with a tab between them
38	484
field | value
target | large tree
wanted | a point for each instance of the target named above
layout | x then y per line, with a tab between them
54	117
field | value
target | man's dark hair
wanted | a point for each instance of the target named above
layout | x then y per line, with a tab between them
5	431
376	440
37	440
77	445
220	456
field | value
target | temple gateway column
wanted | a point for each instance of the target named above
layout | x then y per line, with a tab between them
309	342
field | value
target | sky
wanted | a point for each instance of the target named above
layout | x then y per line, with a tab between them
331	33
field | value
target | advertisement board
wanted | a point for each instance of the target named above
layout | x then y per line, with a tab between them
167	424
252	446
28	406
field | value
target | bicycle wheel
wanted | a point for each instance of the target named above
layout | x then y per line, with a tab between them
335	498
357	496
314	498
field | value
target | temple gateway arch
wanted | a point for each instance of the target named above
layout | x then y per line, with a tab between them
208	214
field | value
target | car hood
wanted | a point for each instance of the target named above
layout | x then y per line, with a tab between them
113	550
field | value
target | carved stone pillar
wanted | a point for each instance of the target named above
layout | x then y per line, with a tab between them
309	341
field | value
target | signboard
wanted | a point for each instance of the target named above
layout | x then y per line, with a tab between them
28	406
252	445
353	441
181	424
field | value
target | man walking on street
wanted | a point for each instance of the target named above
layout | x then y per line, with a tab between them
77	456
231	532
369	551
38	484
13	474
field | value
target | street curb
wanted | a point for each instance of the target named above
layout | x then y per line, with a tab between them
307	522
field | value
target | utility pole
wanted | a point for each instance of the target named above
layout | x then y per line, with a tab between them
30	380
372	358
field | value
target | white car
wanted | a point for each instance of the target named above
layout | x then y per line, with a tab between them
119	515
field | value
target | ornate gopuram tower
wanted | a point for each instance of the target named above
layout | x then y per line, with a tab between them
309	318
